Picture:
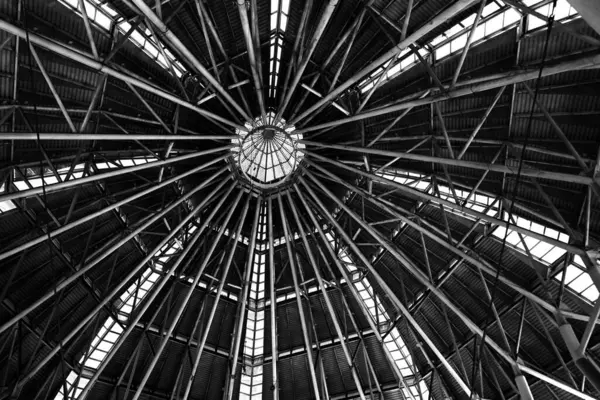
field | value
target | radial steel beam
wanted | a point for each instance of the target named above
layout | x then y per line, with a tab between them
398	305
427	197
108	114
88	60
352	30
255	68
463	55
211	55
382	78
437	237
589	11
481	123
542	217
273	297
89	264
517	76
148	107
118	289
453	10
223	280
52	88
319	30
328	303
105	175
586	366
107	136
289	237
174	41
243	301
391	125
185	302
98	93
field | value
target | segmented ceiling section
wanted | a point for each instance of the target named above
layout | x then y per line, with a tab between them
422	220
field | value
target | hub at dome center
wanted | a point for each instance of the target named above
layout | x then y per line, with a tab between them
268	153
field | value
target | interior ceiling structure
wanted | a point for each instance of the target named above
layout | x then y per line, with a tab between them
319	199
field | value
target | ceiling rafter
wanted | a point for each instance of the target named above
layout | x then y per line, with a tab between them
384	232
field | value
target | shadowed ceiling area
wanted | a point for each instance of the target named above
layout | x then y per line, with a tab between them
317	199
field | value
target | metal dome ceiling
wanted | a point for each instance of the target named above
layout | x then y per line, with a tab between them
264	199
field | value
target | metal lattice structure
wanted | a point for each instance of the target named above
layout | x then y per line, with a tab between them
254	199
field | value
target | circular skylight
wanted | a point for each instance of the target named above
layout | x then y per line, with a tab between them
268	152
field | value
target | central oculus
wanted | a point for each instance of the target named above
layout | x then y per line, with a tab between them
269	152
